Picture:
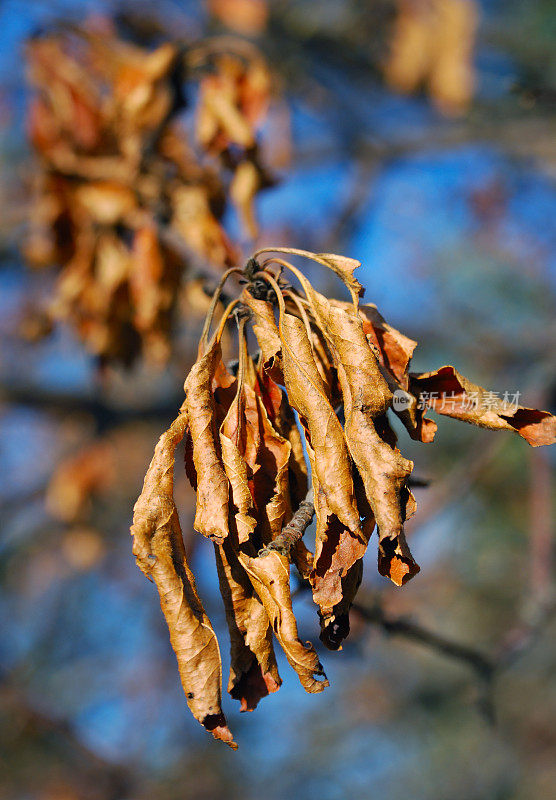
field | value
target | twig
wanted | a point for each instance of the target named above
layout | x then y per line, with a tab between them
481	664
294	530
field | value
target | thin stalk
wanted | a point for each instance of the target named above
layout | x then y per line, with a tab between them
213	303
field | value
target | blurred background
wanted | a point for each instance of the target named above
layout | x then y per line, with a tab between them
417	136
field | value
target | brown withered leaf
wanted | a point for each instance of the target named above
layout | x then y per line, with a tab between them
393	348
344	267
232	440
394	351
286	423
211	515
410	48
366	396
265	329
274	458
78	478
160	554
69	106
308	396
220	117
271	479
447	392
243	190
105	202
253	669
266	454
194	220
270	576
452	77
283	420
337	550
247	17
433	43
334	622
325	365
382	467
145	278
272	395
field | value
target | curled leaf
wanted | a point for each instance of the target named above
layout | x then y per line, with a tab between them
307	395
270	576
253	668
334	622
160	554
211	516
265	329
394	349
232	441
243	189
344	267
383	469
447	392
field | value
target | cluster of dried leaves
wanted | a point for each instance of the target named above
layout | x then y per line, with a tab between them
124	192
432	46
310	409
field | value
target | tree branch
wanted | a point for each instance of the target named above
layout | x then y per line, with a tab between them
294	530
483	666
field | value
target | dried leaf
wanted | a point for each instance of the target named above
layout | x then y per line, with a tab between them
271	481
287	425
144	283
79	477
232	440
220	118
268	461
160	554
452	77
382	467
334	622
433	43
447	392
211	516
243	189
106	202
410	49
270	576
307	395
337	550
394	350
248	17
344	267
265	329
194	220
253	669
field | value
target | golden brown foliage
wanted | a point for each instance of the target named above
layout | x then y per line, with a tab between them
125	203
344	370
432	45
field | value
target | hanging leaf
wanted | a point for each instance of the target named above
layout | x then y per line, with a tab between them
265	329
211	516
253	669
160	554
307	395
270	576
447	392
